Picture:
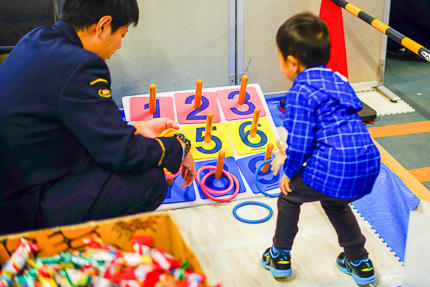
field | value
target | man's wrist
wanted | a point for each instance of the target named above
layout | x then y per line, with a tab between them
183	145
186	144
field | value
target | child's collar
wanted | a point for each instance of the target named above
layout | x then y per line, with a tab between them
321	68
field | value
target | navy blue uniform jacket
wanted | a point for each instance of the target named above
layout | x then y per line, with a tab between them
57	117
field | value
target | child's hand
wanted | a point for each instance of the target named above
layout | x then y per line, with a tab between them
285	185
280	157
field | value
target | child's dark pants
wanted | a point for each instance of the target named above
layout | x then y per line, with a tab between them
337	210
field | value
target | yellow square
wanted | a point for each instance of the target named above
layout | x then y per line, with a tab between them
202	150
243	143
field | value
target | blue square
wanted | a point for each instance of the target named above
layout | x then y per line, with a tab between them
122	114
273	102
267	181
176	193
230	165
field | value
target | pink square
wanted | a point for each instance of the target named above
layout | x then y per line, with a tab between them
233	111
139	108
188	115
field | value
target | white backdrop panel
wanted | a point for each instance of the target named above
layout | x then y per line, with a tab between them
174	44
262	19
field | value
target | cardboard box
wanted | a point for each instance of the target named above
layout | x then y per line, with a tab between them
116	232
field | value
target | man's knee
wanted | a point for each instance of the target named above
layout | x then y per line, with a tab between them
150	190
159	185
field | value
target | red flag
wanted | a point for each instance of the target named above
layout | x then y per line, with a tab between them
332	15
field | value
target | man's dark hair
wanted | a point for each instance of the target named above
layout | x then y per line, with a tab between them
82	14
306	37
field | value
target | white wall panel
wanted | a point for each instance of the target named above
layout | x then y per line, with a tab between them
262	19
174	44
177	42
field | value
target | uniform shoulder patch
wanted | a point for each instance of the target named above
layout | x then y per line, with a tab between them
103	89
105	93
98	81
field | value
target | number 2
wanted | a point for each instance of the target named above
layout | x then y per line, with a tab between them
193	115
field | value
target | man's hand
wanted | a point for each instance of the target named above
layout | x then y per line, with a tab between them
285	185
280	157
188	170
153	128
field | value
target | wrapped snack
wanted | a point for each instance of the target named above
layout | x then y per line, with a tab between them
100	265
134	259
142	271
142	244
179	273
76	278
50	260
194	279
5	281
45	277
130	283
167	280
93	241
100	255
115	266
102	282
125	274
17	261
152	278
25	280
61	279
90	270
163	259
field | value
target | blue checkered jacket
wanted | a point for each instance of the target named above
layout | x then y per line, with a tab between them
327	141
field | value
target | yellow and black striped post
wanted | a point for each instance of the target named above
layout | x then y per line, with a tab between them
406	42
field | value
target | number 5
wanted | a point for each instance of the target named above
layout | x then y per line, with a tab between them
201	138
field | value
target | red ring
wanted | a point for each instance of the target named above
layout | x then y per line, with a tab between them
233	180
218	192
210	190
171	176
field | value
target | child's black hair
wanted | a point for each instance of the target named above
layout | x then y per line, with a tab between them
82	14
306	37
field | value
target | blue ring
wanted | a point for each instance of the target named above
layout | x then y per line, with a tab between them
253	221
258	184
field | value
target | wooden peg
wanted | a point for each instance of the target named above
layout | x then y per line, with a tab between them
254	125
198	98
152	92
170	181
242	91
268	155
219	165
208	133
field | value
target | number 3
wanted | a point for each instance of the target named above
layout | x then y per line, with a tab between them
251	106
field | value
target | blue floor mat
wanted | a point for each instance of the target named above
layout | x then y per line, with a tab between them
387	209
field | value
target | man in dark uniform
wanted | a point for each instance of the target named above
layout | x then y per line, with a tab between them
66	156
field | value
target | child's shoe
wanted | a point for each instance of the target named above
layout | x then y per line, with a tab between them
279	264
361	270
